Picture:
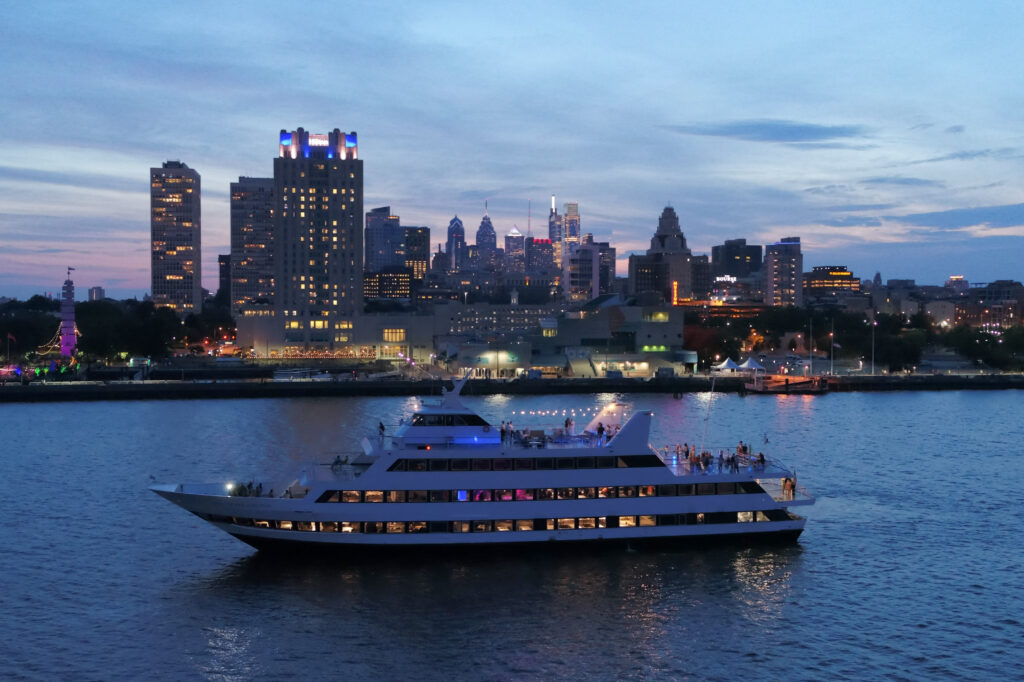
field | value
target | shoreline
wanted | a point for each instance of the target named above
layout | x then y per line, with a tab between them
235	389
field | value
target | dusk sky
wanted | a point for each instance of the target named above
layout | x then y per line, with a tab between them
886	135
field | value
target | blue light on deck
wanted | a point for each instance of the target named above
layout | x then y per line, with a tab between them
330	153
286	139
463	495
350	140
305	151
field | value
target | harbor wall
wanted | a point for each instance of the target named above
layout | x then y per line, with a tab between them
41	391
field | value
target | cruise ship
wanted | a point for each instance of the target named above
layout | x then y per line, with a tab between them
446	479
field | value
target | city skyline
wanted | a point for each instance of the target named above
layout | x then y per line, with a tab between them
884	136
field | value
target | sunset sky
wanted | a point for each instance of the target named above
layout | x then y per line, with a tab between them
886	135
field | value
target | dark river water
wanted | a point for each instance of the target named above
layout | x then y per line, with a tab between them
910	566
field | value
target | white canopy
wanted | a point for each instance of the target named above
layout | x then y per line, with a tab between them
727	364
751	364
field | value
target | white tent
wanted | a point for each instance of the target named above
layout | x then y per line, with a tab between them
751	365
727	365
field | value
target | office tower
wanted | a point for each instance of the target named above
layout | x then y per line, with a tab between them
571	221
224	272
666	267
830	280
486	243
97	294
540	257
417	252
455	247
318	238
176	257
582	272
515	250
783	273
606	265
252	243
385	241
735	258
555	232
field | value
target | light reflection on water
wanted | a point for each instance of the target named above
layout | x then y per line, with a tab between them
911	551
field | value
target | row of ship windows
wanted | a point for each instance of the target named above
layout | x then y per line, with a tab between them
502	525
531	494
526	463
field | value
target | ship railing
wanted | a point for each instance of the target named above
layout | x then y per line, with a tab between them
786	490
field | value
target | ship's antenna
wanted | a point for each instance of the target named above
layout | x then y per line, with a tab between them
707	417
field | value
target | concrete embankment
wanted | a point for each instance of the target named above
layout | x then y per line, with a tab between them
210	389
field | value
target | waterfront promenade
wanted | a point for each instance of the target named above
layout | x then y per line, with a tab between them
41	391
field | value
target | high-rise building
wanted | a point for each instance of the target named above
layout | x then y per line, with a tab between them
224	272
735	258
571	220
97	294
515	250
318	238
252	243
555	232
540	257
829	281
385	241
486	243
417	252
455	247
581	281
783	273
666	267
176	256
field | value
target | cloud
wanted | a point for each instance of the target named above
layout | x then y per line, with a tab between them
1007	216
773	130
852	221
969	155
955	129
83	180
850	208
902	181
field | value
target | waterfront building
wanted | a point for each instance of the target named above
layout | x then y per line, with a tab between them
175	238
736	258
318	241
783	273
252	243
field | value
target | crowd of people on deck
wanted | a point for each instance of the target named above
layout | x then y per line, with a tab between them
601	435
706	462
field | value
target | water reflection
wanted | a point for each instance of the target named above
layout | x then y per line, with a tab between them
610	611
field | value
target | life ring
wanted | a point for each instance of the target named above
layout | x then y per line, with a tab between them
487	428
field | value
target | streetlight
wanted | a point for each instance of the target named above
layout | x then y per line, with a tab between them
874	326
